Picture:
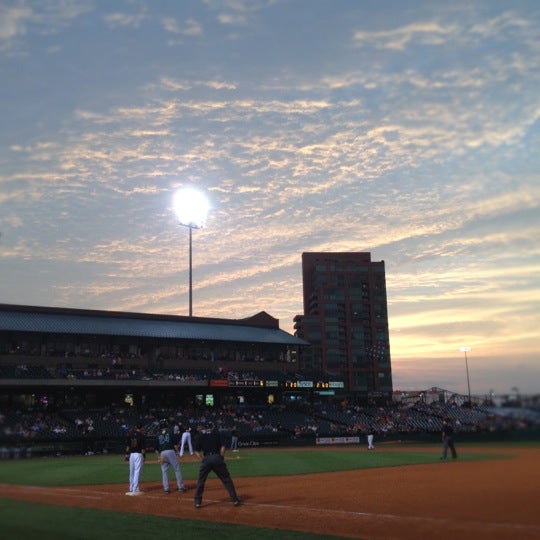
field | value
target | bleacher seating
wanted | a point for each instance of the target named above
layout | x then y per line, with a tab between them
40	424
24	371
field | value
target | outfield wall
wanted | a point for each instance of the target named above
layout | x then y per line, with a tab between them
117	446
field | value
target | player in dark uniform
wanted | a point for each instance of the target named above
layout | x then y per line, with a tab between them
210	448
448	440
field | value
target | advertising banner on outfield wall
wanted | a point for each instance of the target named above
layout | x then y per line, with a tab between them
255	443
337	440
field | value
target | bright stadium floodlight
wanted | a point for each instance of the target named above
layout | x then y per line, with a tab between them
191	208
465	350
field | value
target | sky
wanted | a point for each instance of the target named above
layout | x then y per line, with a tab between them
407	129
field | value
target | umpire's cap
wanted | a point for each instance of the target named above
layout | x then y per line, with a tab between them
163	423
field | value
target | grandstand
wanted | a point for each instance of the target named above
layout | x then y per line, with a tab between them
76	381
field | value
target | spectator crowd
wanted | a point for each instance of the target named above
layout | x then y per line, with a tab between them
21	430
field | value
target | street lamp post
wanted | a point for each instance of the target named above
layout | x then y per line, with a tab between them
191	208
465	350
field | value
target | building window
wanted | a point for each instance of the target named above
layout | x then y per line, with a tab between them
313	334
335	358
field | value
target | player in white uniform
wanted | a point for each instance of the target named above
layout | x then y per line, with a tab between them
135	454
186	440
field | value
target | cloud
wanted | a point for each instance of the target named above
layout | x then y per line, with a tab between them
22	22
232	18
13	21
190	27
235	12
119	19
507	22
426	33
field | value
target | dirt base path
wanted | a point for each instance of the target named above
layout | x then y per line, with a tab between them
495	499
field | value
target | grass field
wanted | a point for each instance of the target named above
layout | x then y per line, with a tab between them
23	520
28	521
110	469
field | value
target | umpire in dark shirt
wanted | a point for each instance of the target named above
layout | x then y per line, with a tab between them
448	440
210	448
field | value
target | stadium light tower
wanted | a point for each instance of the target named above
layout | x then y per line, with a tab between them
191	208
465	350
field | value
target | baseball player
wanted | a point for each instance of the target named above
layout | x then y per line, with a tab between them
186	440
135	454
448	440
167	454
370	437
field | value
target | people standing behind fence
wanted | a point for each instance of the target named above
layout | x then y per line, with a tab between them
186	439
135	454
448	439
167	454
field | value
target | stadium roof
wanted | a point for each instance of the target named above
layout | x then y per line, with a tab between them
261	328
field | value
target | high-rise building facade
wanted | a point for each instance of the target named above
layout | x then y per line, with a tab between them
345	320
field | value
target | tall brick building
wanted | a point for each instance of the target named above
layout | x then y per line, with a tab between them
345	320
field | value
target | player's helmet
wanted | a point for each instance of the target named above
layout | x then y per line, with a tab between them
163	423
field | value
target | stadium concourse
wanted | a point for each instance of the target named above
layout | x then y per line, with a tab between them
28	432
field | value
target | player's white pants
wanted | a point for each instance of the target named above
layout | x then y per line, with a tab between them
169	459
135	467
370	442
186	439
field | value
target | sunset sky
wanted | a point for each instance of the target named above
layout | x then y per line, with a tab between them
407	129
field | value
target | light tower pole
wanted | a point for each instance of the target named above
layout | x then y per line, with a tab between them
191	208
465	350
